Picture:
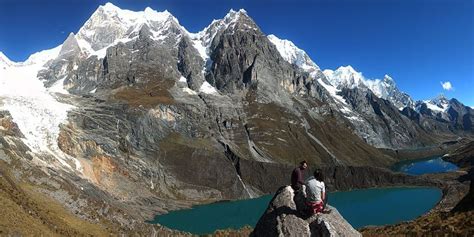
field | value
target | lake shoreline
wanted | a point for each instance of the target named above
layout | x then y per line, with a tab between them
442	181
449	197
406	154
453	191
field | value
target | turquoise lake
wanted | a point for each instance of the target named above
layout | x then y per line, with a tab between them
424	166
360	208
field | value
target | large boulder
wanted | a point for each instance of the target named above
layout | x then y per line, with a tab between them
285	217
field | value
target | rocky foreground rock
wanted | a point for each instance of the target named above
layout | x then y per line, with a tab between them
284	217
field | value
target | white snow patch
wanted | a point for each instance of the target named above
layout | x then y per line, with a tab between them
202	50
101	53
441	107
281	139
183	79
189	91
58	87
332	91
207	88
344	107
293	54
355	118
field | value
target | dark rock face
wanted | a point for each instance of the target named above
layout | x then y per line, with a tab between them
411	114
461	116
467	203
242	58
383	124
462	156
283	218
455	120
190	64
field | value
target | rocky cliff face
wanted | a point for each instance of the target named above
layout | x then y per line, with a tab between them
463	156
284	217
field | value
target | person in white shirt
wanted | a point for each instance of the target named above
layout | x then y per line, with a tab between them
315	192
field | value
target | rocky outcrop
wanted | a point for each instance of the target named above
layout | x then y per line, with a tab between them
284	217
467	203
462	156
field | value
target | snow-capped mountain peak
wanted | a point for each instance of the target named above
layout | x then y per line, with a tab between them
203	39
293	54
440	99
130	18
233	13
386	88
438	104
230	19
345	76
109	25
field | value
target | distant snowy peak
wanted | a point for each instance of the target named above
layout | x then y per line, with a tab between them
348	77
440	100
381	88
293	54
439	104
345	77
38	58
109	24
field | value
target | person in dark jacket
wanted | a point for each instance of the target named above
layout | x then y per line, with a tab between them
297	176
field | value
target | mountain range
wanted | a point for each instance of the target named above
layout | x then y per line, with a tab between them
140	112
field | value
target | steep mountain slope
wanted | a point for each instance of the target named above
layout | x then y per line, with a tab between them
379	112
162	103
369	105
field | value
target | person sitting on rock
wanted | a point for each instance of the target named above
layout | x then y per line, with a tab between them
297	176
315	192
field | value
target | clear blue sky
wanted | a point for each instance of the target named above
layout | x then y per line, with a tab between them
420	43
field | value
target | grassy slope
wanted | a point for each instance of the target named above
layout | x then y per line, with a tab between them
26	211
